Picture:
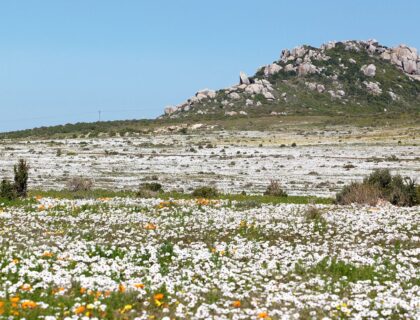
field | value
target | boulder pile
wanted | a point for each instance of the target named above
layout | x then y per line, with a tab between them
304	61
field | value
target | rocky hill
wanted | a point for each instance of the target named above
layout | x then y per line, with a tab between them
337	78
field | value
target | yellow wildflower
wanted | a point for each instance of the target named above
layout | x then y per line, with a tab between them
126	308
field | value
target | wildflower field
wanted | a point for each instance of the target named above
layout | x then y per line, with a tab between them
128	258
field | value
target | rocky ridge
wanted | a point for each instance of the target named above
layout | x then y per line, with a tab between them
362	74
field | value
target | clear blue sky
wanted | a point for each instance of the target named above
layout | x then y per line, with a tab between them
61	61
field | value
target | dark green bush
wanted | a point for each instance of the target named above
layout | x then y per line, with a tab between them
153	186
21	171
7	190
206	192
380	178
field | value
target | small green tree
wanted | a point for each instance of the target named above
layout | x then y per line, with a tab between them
21	178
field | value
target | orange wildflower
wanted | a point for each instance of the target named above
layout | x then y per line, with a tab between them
80	310
82	290
263	315
29	304
47	254
150	226
236	304
165	204
158	296
14	301
121	288
203	202
138	285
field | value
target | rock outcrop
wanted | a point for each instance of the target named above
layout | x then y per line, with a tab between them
373	87
308	70
369	70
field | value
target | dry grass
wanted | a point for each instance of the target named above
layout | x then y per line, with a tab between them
359	193
79	184
274	189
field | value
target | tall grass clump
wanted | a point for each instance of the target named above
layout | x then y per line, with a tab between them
274	189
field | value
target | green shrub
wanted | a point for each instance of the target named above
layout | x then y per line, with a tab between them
149	190
275	190
7	190
153	186
380	178
21	171
403	192
206	192
380	184
418	193
145	193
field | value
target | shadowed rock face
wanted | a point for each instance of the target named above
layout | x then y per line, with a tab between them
347	72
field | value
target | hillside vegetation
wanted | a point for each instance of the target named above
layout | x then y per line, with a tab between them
352	78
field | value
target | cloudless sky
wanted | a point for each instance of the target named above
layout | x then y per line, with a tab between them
61	61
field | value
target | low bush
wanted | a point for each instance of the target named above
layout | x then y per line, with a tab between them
205	192
144	193
380	184
19	187
7	190
313	213
274	189
360	193
418	193
149	190
153	186
76	184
